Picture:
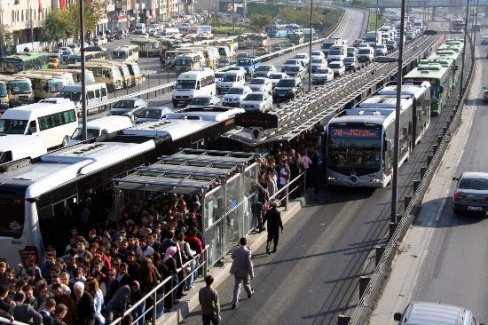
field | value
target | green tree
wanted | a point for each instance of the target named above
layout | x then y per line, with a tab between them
89	15
259	21
56	26
6	39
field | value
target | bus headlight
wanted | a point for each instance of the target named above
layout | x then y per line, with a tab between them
331	178
375	180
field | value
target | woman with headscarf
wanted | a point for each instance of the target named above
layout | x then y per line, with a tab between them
170	268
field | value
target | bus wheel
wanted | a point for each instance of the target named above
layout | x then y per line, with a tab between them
65	141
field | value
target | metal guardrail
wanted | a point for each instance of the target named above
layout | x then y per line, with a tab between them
150	313
372	292
170	85
4	320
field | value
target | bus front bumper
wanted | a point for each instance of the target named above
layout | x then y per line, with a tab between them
354	181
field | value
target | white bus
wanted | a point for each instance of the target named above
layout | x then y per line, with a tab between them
193	83
51	123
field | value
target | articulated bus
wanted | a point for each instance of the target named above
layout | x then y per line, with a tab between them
360	143
62	184
24	62
440	79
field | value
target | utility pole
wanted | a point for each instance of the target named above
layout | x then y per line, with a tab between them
83	82
310	49
464	49
233	16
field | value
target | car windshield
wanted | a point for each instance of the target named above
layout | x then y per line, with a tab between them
293	62
349	60
335	65
335	52
236	91
254	97
230	77
20	87
294	68
286	83
200	101
300	56
472	183
12	126
263	68
74	96
364	51
317	61
323	71
257	81
275	76
185	84
126	104
243	62
151	113
91	133
219	74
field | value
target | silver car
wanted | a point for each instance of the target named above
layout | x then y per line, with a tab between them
128	107
471	194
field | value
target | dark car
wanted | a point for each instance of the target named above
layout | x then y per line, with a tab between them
286	89
471	193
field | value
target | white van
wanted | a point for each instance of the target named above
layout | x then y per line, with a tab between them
96	93
19	146
230	79
101	126
51	123
337	53
170	32
193	83
365	54
428	313
140	28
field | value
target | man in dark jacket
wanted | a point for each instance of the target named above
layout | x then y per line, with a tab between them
4	305
23	312
121	301
273	217
84	304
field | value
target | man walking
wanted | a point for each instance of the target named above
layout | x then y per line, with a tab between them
273	217
209	300
242	269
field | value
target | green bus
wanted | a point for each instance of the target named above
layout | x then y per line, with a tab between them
24	62
440	79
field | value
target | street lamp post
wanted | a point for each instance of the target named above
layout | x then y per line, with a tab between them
394	189
461	88
310	49
83	82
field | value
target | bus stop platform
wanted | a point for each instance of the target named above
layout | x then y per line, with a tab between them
190	303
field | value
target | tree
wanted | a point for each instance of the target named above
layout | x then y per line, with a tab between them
260	21
74	18
6	38
56	26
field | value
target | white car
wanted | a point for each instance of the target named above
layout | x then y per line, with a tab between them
318	63
291	63
318	54
234	96
153	114
264	70
380	50
338	67
303	57
257	101
322	76
277	76
261	85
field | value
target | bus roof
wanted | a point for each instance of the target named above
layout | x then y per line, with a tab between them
383	101
27	56
427	71
176	129
26	111
67	164
408	88
367	119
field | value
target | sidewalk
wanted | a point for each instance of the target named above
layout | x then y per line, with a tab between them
255	240
407	266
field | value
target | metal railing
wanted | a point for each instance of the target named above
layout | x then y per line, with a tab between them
373	289
158	294
4	320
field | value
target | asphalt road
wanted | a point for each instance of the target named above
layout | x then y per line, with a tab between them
456	264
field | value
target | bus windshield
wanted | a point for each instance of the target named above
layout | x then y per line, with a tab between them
55	85
74	96
230	77
117	54
354	149
20	87
12	221
3	90
183	61
13	126
185	84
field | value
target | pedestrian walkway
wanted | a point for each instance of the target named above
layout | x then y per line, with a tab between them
408	264
189	305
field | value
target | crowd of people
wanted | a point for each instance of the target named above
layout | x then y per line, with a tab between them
102	271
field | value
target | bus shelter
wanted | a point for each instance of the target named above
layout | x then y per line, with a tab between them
222	180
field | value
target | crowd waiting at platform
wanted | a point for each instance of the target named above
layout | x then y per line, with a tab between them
104	268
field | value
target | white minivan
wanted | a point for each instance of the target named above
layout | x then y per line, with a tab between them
19	146
193	83
101	126
96	93
51	123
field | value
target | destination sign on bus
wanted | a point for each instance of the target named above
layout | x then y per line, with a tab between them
355	132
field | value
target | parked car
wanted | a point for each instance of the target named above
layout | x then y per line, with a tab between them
261	85
129	107
277	76
338	67
234	95
287	88
204	101
471	193
257	101
322	76
153	114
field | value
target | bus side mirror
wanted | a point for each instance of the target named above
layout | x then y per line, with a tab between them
397	316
